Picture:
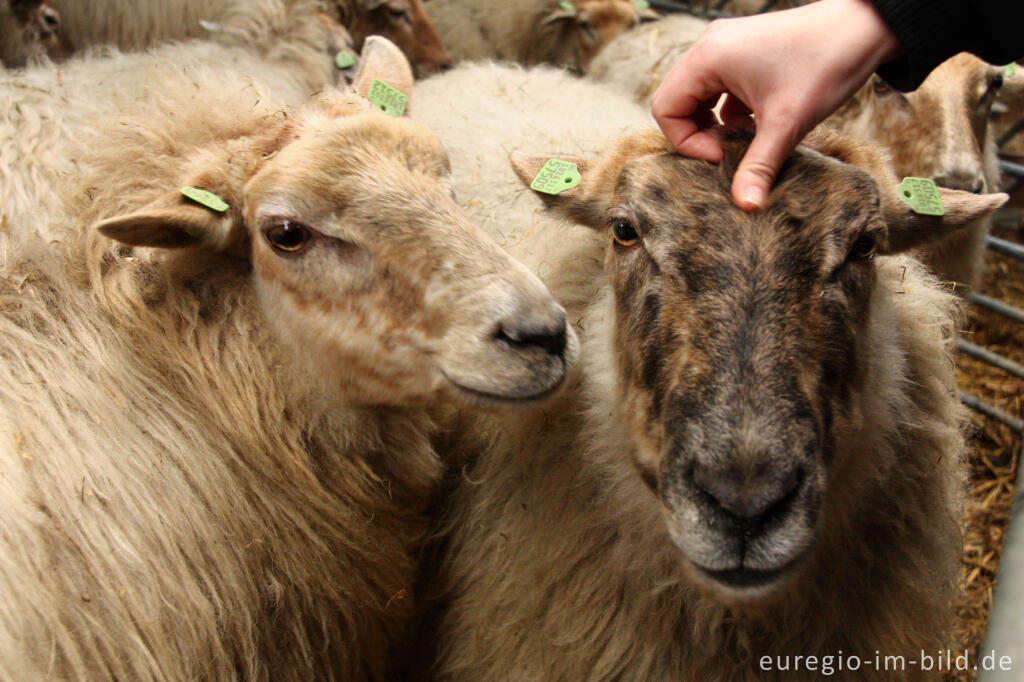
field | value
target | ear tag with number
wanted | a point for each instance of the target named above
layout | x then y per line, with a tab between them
205	198
567	6
386	98
922	196
556	176
642	5
1010	69
344	59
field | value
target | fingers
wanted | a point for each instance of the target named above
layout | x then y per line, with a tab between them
735	114
681	106
772	144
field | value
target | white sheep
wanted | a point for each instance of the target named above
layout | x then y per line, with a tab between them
637	61
42	111
134	24
761	376
216	431
943	130
567	34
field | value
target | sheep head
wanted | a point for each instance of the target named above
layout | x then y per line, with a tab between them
738	339
939	131
403	22
362	262
584	27
30	28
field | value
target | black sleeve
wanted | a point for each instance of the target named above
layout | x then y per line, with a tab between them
932	31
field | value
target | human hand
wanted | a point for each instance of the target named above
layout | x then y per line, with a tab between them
791	69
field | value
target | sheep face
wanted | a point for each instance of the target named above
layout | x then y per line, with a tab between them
578	34
737	342
30	28
362	262
939	131
405	23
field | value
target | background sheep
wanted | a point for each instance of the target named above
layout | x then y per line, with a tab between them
558	561
636	62
404	22
567	34
942	130
289	54
30	29
133	25
215	452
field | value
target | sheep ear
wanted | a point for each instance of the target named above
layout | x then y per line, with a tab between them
172	222
910	230
561	14
382	60
577	202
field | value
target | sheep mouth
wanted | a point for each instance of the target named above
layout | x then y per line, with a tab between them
523	393
748	581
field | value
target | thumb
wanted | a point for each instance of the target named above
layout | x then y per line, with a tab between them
765	156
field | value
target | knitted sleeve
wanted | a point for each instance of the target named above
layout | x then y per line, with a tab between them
931	32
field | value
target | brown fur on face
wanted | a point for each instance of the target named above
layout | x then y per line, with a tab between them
940	131
403	22
31	28
736	339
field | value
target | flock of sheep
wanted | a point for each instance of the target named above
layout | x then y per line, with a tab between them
295	388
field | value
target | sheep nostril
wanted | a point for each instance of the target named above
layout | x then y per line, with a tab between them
548	335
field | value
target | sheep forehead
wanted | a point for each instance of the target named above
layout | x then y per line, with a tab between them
338	160
686	210
607	11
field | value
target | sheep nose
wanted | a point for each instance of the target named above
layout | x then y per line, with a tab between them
545	331
965	181
746	502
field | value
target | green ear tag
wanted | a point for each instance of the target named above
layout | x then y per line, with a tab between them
922	196
344	59
1010	69
204	198
567	6
641	5
556	176
386	98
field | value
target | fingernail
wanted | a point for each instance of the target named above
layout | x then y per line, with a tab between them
754	197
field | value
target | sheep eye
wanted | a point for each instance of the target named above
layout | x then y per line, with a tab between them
880	86
864	247
288	236
624	233
397	12
996	82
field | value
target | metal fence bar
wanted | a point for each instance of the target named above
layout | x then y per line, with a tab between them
1009	134
994	412
994	359
1004	247
997	306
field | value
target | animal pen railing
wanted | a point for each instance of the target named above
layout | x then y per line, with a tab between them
1005	629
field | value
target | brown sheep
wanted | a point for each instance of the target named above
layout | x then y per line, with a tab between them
30	29
762	456
566	34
